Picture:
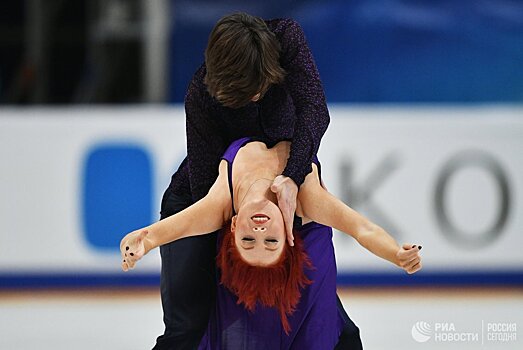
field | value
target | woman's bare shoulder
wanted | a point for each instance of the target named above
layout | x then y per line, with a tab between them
308	192
220	190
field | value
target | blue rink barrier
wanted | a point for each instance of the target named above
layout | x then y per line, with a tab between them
134	280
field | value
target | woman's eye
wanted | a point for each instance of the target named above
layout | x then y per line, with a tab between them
271	240
248	239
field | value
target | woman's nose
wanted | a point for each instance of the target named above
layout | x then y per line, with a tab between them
261	229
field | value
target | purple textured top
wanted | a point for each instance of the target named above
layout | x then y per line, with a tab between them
295	110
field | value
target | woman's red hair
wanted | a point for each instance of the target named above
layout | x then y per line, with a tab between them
278	285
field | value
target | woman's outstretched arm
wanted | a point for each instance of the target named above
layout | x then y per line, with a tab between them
205	216
320	206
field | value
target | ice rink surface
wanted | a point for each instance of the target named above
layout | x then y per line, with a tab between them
388	319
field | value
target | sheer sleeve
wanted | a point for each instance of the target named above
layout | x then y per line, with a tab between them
304	85
205	143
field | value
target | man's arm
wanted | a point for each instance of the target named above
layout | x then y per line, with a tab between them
320	206
205	142
304	85
312	117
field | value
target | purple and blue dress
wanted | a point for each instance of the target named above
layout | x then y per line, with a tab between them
316	324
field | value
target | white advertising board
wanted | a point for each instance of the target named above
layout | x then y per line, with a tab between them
447	178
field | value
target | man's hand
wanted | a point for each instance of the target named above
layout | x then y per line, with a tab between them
286	192
133	248
409	258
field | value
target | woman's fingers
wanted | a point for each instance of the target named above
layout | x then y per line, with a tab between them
125	267
404	256
414	268
124	255
131	249
130	263
412	263
411	248
409	258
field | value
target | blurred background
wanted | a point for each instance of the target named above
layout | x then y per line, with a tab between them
426	139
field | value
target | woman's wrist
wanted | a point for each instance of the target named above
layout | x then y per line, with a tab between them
149	242
386	246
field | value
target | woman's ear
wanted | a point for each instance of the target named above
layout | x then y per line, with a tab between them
233	223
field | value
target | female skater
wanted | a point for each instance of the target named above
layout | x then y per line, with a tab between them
258	270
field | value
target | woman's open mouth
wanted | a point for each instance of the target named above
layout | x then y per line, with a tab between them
260	218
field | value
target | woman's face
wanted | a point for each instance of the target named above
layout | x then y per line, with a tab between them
259	232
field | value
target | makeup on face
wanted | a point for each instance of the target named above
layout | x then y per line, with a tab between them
260	237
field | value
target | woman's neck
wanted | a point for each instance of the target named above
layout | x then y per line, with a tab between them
254	188
255	168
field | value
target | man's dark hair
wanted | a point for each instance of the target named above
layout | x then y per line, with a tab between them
242	60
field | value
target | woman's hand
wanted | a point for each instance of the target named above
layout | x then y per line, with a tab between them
133	248
286	192
409	258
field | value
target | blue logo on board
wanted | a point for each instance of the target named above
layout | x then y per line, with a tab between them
117	193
